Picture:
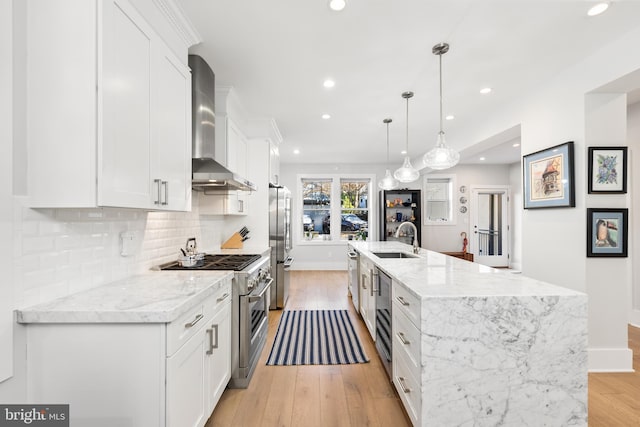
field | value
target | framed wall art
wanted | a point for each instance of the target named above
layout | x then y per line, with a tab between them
607	232
548	180
607	170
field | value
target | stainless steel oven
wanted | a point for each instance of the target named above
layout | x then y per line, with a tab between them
253	323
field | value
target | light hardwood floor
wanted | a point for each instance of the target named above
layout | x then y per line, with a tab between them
361	394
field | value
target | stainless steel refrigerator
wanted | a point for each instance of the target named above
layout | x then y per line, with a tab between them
280	242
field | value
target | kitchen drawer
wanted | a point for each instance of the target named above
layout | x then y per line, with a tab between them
408	303
185	326
406	339
408	387
217	301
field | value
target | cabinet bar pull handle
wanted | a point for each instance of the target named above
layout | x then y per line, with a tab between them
166	192
159	182
373	286
405	389
402	300
194	321
403	339
210	333
223	297
364	283
241	205
215	328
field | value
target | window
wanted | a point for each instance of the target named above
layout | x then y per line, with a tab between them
334	208
354	214
438	200
316	213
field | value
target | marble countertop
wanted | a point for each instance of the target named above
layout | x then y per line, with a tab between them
434	275
154	297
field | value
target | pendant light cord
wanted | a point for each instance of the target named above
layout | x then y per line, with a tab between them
441	132
407	143
387	145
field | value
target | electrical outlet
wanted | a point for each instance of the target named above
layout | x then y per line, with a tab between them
127	243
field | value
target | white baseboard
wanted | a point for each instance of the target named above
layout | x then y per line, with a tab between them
339	265
634	318
610	360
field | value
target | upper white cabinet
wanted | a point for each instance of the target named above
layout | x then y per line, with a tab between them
274	163
109	109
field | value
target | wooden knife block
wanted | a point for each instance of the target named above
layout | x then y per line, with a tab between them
234	242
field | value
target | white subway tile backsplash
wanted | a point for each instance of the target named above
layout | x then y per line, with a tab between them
63	251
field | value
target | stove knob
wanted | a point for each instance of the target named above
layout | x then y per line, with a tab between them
251	283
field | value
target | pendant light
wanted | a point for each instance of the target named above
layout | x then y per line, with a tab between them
388	182
441	156
407	173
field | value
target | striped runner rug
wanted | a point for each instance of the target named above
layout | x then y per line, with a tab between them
316	337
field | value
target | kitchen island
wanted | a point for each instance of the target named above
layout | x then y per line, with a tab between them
477	346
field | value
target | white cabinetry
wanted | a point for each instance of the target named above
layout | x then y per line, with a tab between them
274	163
137	374
113	109
406	359
367	295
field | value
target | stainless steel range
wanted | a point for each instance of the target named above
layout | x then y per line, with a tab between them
250	308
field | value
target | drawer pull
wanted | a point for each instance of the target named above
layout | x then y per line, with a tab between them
223	297
404	387
364	281
403	339
194	321
402	300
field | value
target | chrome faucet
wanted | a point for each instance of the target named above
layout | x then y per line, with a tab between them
416	245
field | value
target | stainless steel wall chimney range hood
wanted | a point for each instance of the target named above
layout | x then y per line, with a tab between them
207	173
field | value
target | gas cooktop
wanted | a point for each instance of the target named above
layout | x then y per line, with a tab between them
216	262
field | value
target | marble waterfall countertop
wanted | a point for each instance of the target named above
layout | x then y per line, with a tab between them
433	274
154	297
496	348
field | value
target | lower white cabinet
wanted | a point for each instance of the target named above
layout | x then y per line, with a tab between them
407	355
139	374
367	295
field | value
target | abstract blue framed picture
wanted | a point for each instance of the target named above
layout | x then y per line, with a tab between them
548	178
607	170
607	232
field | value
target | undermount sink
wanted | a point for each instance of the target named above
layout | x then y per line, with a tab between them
394	255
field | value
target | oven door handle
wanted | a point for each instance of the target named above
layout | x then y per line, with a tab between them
256	298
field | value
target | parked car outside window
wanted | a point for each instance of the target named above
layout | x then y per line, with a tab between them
307	223
351	222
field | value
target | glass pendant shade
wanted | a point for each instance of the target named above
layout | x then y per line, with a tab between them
388	182
406	173
441	156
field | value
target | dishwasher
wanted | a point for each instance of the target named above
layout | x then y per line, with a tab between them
354	275
383	317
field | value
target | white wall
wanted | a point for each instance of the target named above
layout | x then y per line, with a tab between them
446	238
633	141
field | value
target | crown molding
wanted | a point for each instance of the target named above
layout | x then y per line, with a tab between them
175	15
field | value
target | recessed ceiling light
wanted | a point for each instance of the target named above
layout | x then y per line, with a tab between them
326	116
517	144
450	117
485	90
403	152
296	151
337	5
598	8
329	83
482	159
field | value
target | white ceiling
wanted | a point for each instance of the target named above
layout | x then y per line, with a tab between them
276	54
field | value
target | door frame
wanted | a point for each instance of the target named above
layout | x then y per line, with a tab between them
474	190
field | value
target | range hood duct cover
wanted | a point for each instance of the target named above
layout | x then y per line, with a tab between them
207	173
